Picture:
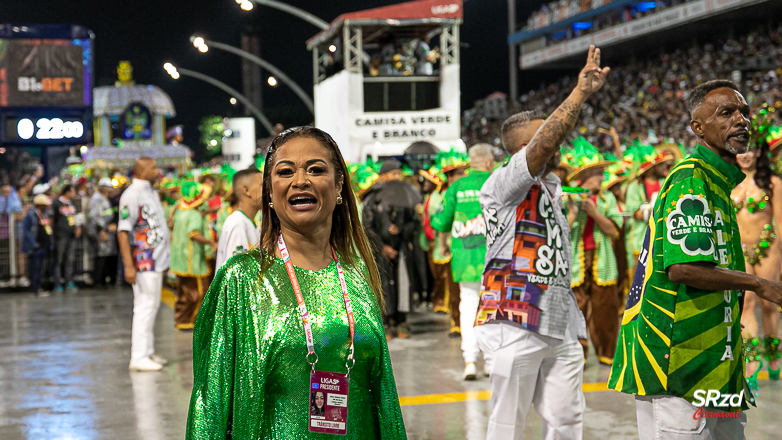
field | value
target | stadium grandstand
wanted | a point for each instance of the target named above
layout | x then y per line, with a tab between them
657	52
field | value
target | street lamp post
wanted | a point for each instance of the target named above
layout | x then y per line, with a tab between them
512	60
176	72
304	15
203	46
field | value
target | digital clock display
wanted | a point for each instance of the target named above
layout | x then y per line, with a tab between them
32	130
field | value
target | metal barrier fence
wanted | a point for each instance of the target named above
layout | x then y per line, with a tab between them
13	263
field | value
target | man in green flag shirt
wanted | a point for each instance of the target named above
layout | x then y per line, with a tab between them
460	215
680	343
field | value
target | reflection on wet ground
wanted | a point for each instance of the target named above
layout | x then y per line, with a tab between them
63	375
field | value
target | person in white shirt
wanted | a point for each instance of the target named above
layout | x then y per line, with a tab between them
240	233
144	244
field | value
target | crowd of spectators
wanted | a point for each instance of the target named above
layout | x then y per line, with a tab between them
646	100
404	57
557	11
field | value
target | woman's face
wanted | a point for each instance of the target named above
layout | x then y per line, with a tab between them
319	399
304	187
747	160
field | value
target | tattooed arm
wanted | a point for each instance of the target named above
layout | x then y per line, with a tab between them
550	135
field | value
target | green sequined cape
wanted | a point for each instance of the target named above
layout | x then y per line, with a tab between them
250	373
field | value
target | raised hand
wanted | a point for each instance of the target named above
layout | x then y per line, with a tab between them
550	135
592	77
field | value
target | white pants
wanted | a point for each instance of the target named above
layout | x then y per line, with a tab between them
672	418
527	368
146	301
468	308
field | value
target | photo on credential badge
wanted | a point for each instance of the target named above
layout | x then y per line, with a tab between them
318	404
328	403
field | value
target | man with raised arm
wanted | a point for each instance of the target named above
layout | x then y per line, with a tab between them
528	321
680	348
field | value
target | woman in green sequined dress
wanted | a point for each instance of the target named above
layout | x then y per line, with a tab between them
758	205
251	376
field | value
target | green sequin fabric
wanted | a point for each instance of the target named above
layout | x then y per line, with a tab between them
251	379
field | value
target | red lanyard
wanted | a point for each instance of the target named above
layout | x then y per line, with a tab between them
305	319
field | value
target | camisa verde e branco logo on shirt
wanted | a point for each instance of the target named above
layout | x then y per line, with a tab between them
688	223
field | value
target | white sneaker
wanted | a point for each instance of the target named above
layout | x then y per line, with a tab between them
24	282
159	359
470	371
145	364
486	371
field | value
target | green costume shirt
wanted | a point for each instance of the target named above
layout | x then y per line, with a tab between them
676	339
187	256
249	369
167	207
604	263
461	215
636	229
438	253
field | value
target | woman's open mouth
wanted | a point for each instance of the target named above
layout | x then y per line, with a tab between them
302	202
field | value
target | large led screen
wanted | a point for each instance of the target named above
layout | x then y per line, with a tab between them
45	73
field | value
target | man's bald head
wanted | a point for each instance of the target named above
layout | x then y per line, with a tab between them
519	129
145	168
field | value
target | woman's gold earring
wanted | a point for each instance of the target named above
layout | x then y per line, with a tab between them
271	205
339	200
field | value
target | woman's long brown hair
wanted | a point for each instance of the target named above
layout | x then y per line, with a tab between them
347	233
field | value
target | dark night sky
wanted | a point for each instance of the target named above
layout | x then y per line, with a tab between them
152	32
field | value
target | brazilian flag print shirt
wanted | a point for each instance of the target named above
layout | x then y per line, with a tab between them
676	339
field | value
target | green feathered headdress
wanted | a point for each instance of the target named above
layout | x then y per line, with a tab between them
644	157
763	130
616	173
434	175
583	156
227	174
774	137
363	175
448	161
194	194
208	172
